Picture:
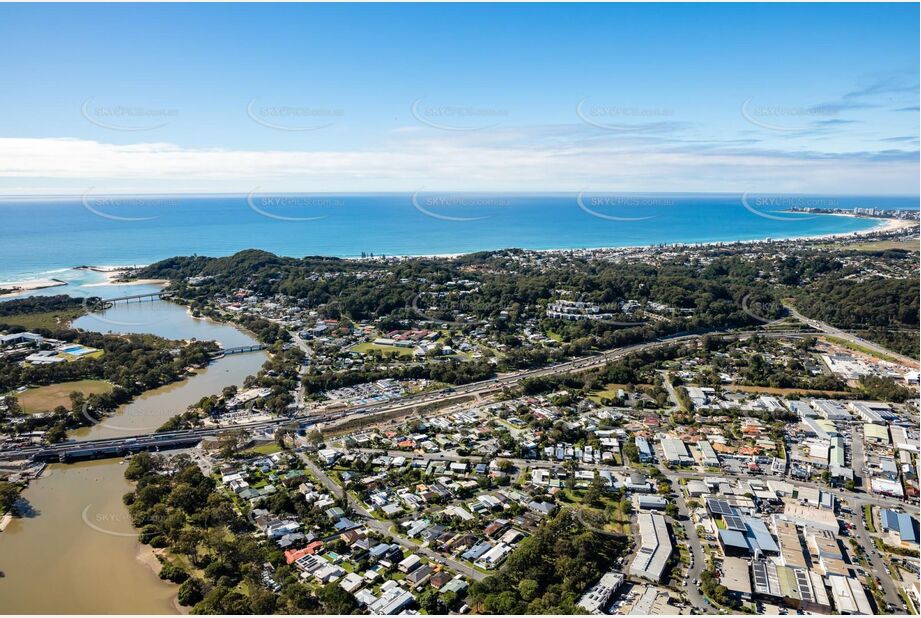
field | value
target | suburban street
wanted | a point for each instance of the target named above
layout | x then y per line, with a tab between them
387	528
690	588
879	568
854	500
299	394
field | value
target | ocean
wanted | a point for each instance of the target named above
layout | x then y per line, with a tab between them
45	237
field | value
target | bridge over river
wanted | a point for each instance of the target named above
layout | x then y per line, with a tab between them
114	447
139	298
243	349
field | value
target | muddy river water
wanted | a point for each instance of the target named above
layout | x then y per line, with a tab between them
74	550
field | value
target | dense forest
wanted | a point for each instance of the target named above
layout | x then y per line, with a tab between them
712	294
549	571
880	309
36	304
702	289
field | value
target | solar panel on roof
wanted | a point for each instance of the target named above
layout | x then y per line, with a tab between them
759	571
734	522
802	580
720	507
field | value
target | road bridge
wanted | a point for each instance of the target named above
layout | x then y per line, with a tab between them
243	349
140	298
371	413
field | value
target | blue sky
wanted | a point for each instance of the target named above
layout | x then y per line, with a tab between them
801	98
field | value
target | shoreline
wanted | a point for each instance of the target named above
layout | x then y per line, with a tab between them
29	285
885	226
148	557
112	274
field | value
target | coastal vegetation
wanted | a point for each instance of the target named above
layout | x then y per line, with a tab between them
40	312
709	289
9	494
881	309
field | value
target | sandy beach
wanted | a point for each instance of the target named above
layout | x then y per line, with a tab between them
114	275
885	226
147	556
132	282
21	287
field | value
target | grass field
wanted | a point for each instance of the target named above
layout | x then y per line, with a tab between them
610	391
269	448
858	348
868	518
364	348
45	398
885	245
47	319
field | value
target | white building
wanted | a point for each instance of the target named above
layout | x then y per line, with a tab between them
598	596
849	596
655	548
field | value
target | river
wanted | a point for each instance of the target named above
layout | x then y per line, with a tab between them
75	552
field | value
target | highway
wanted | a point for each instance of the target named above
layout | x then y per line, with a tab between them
370	412
828	329
367	412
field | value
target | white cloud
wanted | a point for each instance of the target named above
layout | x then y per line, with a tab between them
511	160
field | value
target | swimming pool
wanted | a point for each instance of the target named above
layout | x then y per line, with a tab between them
77	350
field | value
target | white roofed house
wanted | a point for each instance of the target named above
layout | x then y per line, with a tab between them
494	556
351	582
708	456
393	600
676	453
409	563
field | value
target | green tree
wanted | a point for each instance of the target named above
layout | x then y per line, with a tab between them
335	600
527	588
191	592
594	492
9	493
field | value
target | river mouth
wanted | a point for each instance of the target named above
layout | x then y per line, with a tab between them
75	550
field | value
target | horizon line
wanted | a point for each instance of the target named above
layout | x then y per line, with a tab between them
62	196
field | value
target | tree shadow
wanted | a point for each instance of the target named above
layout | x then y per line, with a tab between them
23	508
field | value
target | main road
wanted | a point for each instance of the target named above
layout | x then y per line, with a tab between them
370	413
880	569
828	329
